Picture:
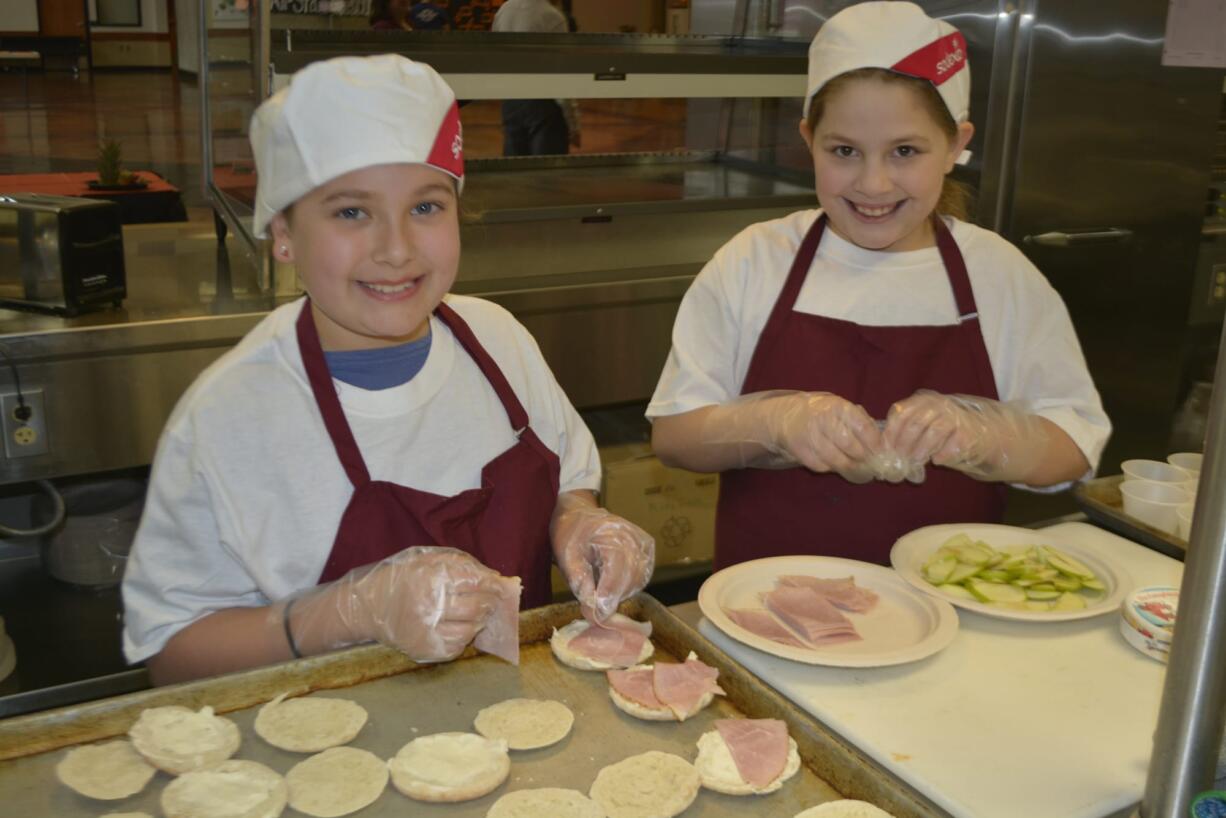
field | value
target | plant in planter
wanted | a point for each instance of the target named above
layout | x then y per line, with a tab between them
110	165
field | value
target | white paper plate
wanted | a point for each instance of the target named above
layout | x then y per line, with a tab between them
902	627
913	550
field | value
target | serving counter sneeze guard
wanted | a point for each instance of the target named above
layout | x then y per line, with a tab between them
591	252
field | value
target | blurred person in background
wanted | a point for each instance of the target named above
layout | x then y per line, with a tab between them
533	127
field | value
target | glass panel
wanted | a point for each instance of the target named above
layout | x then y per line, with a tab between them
233	95
118	12
660	152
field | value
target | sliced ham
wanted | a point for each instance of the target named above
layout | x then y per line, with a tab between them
810	615
682	687
842	593
625	623
761	623
619	646
759	747
500	636
637	686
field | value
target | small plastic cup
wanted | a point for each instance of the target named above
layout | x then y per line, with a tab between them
1188	461
1154	503
1153	470
1183	520
1190	486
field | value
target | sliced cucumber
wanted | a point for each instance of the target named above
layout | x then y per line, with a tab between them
957	540
1067	583
973	554
995	591
1067	564
963	571
939	570
1016	577
956	590
1069	602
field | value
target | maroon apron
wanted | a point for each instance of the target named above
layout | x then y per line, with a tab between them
766	513
504	523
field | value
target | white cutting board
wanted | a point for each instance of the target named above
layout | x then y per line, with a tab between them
1013	719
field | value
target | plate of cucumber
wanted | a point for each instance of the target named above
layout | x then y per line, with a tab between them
1008	572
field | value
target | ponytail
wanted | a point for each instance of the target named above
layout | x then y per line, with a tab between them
955	200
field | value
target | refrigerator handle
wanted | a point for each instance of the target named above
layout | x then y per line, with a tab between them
1057	238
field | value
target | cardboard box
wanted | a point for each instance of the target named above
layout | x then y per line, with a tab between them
675	506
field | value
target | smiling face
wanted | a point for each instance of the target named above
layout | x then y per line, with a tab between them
376	249
880	157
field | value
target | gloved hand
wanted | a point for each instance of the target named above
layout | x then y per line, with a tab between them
604	558
986	439
888	465
426	601
818	430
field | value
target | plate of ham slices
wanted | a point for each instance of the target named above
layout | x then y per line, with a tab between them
827	611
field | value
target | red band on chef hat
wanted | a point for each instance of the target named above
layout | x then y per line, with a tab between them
447	154
937	61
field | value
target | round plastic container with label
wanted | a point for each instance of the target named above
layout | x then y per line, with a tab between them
1147	620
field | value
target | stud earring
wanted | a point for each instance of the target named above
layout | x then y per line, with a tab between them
284	249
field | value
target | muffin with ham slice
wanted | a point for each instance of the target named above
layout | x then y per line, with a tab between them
746	756
620	642
664	692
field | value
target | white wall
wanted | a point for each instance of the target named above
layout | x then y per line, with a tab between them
152	18
19	15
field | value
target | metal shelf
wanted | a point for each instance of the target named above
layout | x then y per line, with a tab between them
484	65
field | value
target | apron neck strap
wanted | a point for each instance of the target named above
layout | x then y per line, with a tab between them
951	256
326	398
516	413
955	268
800	269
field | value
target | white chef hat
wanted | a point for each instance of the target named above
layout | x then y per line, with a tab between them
347	113
898	37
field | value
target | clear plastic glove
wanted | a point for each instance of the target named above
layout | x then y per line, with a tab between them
983	438
604	558
426	601
889	465
818	430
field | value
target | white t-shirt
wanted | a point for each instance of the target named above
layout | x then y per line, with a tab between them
247	492
529	15
1034	351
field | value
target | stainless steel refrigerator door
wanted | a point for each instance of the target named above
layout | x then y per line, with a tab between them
1106	196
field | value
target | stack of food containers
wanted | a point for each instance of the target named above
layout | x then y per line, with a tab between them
1162	495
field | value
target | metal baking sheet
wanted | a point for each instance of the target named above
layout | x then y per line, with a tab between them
1101	501
406	700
